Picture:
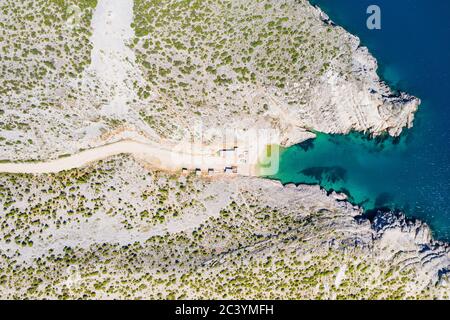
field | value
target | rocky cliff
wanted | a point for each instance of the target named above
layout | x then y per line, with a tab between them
90	233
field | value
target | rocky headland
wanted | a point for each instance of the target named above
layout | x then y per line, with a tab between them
119	230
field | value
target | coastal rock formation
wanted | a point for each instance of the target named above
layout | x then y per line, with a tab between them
410	243
90	233
359	102
119	229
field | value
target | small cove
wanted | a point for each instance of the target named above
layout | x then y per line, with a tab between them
410	173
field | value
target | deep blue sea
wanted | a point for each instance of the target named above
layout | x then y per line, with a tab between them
411	173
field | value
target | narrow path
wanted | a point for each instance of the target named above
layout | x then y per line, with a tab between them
155	155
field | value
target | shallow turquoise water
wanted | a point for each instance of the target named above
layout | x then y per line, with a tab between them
411	173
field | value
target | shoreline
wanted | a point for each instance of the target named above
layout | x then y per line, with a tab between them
396	87
116	186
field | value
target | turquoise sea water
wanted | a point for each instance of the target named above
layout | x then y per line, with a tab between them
411	173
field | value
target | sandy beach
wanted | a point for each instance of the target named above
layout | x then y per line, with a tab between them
184	156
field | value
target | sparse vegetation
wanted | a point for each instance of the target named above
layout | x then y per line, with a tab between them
252	241
207	56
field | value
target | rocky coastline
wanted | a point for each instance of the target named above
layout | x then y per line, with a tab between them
119	229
